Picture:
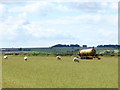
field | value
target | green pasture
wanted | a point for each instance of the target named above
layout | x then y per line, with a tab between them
47	72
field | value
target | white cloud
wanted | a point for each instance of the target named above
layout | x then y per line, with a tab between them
9	28
59	1
13	24
114	6
68	28
69	20
87	6
63	21
8	31
42	8
2	10
108	33
111	20
64	8
38	31
17	19
94	7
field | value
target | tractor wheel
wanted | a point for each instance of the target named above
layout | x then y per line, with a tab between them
99	58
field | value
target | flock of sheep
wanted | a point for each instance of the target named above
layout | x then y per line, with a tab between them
75	59
6	57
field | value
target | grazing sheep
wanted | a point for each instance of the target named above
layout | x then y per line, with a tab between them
76	59
25	58
58	57
5	57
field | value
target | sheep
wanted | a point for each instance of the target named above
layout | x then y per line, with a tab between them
76	59
5	57
25	58
58	57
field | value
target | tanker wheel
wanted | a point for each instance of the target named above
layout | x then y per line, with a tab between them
81	58
99	58
85	57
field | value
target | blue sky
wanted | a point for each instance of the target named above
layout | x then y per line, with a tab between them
43	23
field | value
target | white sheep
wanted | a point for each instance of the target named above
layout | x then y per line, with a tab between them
76	59
5	57
58	57
25	58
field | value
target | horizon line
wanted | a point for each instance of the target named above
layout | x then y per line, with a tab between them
56	44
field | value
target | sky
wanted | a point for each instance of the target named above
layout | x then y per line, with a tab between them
44	24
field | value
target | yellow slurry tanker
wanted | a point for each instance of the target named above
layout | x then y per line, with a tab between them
88	54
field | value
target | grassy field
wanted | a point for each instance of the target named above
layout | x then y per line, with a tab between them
47	72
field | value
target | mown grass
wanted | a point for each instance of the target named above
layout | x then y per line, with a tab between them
47	72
